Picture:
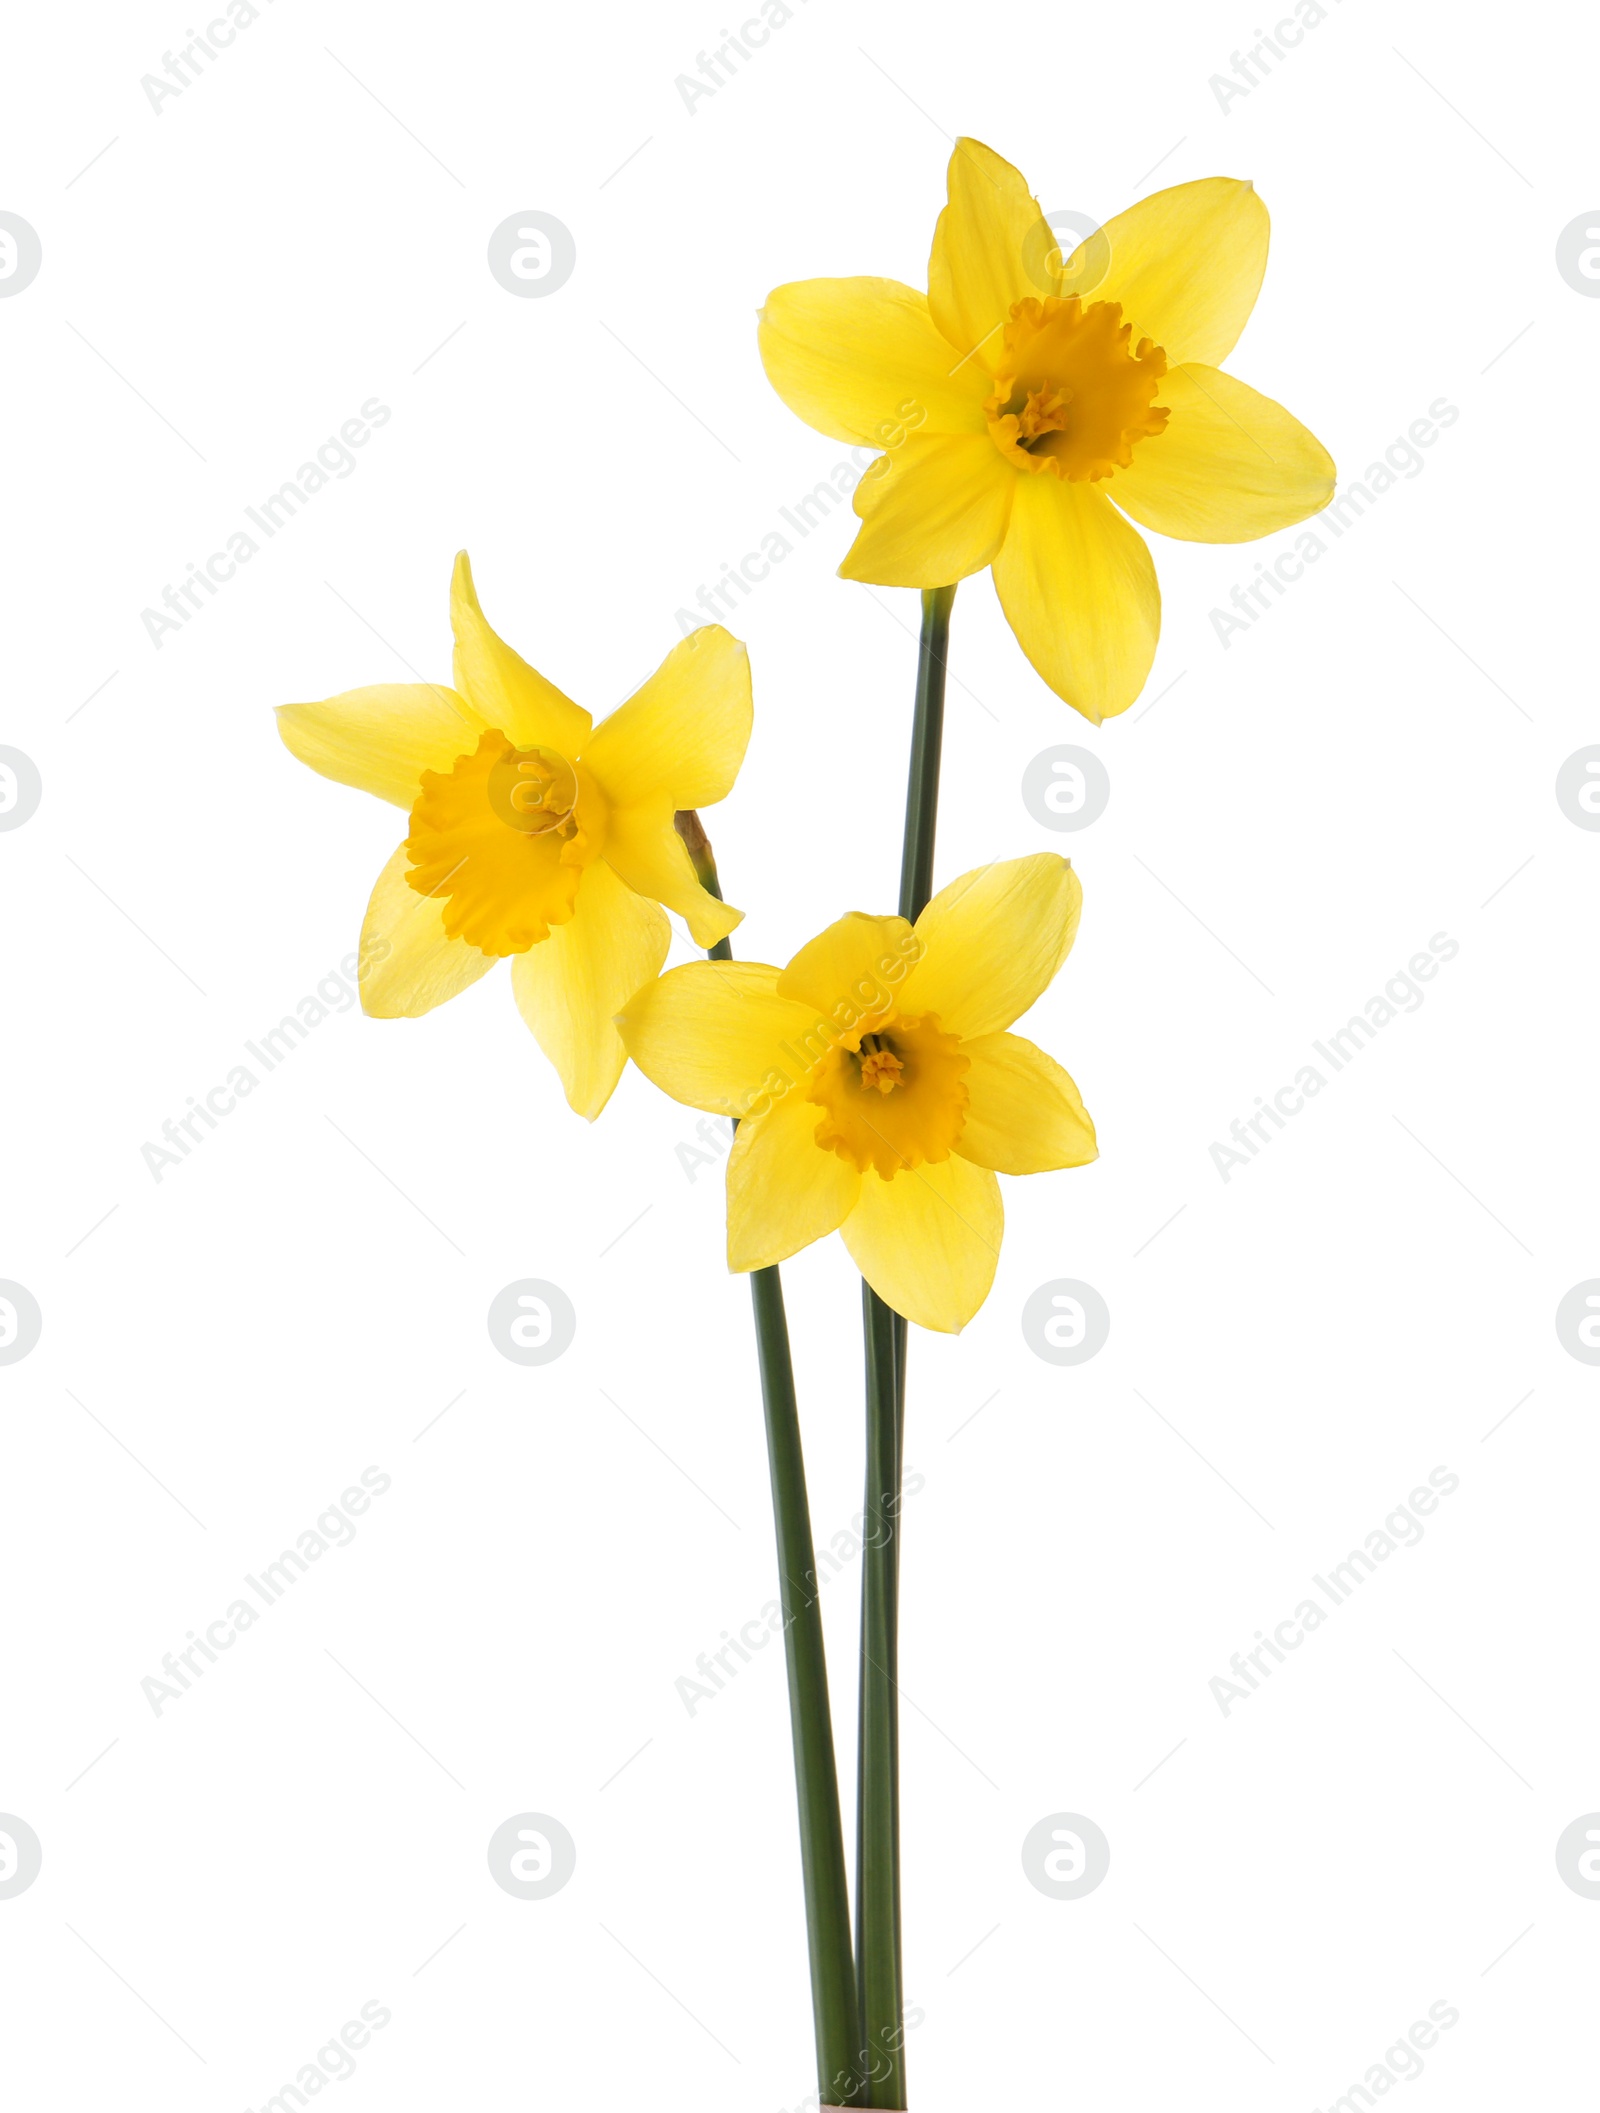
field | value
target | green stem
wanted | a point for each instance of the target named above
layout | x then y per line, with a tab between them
822	1862
878	1913
878	1807
927	739
833	1988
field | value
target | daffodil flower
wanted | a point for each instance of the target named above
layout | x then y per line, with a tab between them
1025	399
876	1087
535	835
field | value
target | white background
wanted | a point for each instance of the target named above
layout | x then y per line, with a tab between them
1290	820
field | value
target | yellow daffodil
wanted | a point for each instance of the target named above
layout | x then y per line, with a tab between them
535	835
876	1089
1023	394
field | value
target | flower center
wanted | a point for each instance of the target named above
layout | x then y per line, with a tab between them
503	836
1069	395
892	1098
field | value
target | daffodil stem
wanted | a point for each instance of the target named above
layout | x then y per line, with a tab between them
822	1860
878	1935
878	1795
927	742
833	1987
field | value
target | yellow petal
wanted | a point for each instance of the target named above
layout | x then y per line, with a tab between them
1186	264
851	970
928	1241
860	359
382	739
1024	1114
409	963
1230	466
1079	590
681	736
499	683
646	850
932	512
716	1035
784	1190
570	986
992	941
982	246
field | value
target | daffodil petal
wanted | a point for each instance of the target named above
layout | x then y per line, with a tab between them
852	969
646	850
932	512
1230	466
982	248
860	359
784	1190
500	685
1078	588
716	1035
570	987
382	739
992	941
681	736
1186	265
409	963
1024	1114
928	1240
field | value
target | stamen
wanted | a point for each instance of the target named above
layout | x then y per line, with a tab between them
880	1067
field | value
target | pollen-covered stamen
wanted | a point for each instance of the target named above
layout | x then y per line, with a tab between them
501	839
1072	393
1044	411
880	1067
